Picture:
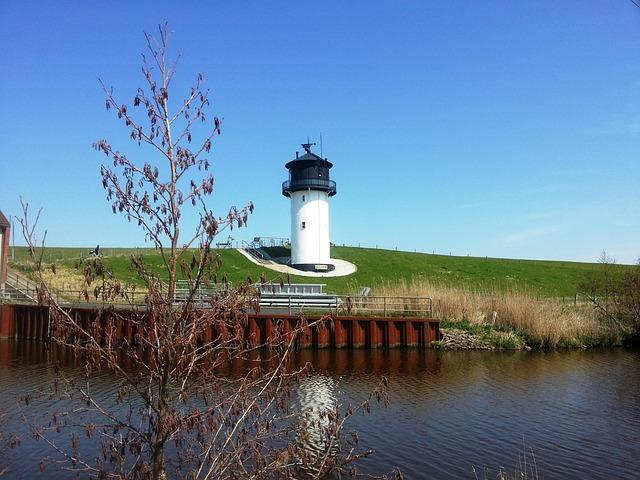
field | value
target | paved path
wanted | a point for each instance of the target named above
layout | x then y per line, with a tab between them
342	267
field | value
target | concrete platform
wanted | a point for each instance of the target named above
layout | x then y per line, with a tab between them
342	267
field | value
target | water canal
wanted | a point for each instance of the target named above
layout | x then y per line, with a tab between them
578	411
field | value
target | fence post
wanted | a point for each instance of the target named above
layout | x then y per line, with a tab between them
289	304
384	306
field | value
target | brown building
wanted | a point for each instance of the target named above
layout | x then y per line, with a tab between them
5	231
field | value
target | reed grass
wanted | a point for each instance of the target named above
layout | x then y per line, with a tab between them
63	279
526	468
543	323
68	284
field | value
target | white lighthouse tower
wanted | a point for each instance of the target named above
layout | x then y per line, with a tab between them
309	188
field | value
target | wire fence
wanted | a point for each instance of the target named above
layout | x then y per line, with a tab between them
292	304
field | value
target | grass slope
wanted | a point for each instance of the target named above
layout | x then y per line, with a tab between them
375	268
538	277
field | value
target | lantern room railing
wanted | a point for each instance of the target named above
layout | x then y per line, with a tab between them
328	186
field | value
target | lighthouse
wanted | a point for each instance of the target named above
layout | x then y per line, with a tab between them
309	188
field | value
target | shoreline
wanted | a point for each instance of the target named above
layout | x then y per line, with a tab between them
457	337
454	339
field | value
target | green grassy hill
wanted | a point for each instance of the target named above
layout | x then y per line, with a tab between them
540	277
375	267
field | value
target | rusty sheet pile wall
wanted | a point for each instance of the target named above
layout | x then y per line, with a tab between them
32	322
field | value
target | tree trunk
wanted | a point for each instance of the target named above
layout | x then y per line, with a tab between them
158	462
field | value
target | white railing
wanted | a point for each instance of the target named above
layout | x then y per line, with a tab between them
346	305
18	287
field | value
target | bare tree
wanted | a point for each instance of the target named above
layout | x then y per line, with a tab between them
615	292
179	410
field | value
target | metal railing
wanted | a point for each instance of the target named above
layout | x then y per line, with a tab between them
289	186
346	305
255	252
203	294
18	287
67	297
291	288
291	303
265	242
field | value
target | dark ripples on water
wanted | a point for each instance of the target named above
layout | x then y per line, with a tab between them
579	411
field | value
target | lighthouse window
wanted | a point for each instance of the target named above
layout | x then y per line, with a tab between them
303	225
303	198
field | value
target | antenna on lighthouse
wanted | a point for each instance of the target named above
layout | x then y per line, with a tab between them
321	156
307	146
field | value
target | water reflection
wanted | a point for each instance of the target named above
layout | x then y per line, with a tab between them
316	402
579	410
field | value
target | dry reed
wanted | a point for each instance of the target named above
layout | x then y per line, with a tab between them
69	283
544	323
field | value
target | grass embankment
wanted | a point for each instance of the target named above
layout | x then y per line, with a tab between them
118	260
538	277
502	302
375	268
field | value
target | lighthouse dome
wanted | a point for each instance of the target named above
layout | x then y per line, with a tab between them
309	172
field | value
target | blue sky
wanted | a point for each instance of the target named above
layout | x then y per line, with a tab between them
504	129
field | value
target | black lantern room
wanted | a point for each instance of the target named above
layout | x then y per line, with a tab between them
309	172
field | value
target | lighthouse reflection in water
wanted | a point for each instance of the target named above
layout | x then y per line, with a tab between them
317	402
